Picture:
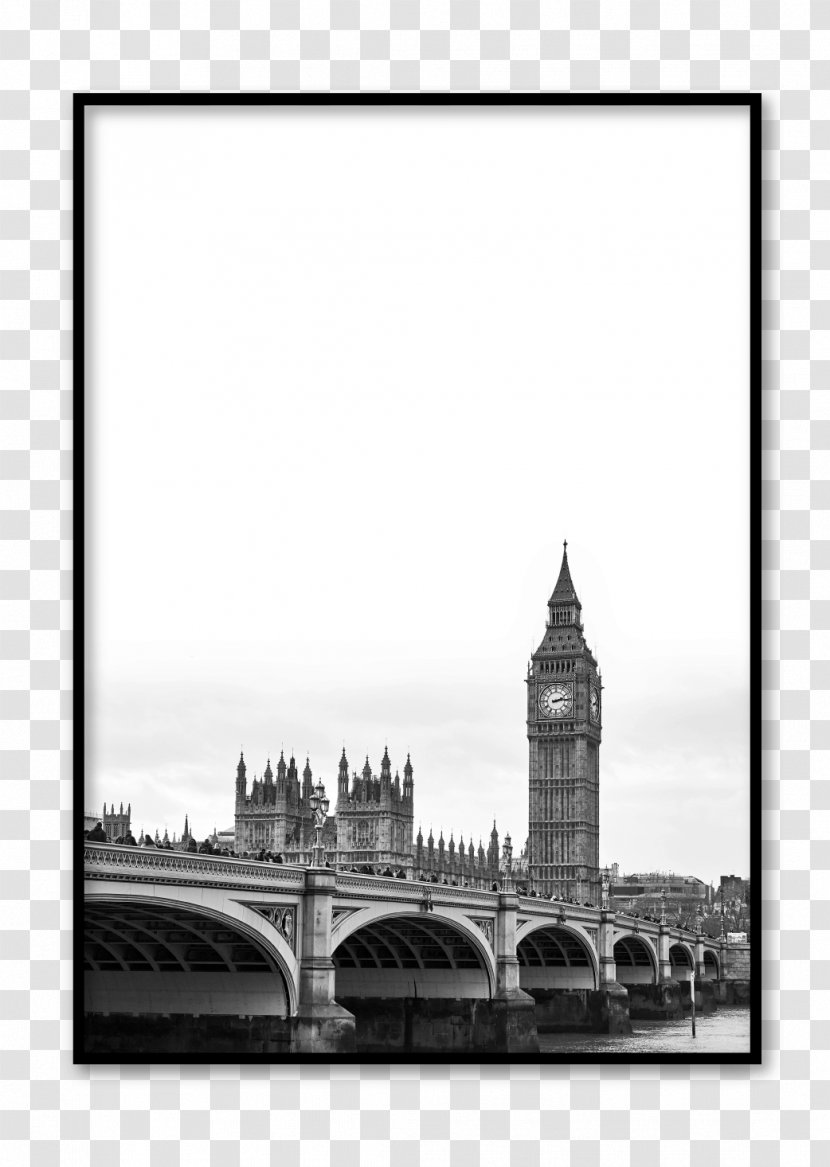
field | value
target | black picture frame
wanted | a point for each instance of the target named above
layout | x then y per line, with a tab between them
82	102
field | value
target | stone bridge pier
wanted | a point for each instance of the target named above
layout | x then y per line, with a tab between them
514	1011
320	1025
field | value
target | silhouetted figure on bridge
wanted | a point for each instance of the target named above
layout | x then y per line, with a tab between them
98	834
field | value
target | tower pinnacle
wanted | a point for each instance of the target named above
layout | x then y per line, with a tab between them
564	592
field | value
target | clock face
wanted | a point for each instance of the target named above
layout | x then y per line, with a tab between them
594	703
556	700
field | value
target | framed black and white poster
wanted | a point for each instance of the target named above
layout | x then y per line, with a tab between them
417	687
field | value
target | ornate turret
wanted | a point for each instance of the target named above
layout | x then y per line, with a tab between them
306	781
385	776
343	776
365	786
564	606
407	778
293	782
493	849
269	773
241	782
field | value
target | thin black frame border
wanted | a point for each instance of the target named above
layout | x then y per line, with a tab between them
751	101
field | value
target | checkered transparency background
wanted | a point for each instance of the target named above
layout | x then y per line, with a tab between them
52	1112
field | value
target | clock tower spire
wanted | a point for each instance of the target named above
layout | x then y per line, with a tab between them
564	731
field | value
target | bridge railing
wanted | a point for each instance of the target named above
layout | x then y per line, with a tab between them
112	859
414	889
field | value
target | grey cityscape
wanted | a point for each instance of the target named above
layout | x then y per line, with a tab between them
323	922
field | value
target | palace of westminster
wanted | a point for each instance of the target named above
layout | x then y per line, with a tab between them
373	820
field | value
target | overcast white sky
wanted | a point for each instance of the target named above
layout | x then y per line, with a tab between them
352	379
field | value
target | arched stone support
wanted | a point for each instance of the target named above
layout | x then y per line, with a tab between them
569	989
216	904
379	912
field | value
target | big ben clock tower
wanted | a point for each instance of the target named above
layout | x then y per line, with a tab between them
564	729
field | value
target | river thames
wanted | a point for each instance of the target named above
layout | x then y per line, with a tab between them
723	1032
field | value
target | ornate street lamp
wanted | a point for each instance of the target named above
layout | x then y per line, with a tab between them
507	856
320	807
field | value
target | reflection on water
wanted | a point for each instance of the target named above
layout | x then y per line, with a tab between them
726	1031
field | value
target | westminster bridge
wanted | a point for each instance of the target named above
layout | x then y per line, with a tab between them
201	953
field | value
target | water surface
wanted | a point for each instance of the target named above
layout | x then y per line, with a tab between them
726	1031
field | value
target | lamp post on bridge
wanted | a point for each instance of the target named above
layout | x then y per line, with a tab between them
722	914
320	807
320	1024
664	942
514	1011
507	856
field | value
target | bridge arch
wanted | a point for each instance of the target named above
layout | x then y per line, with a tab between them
682	957
398	950
711	964
136	945
636	959
556	955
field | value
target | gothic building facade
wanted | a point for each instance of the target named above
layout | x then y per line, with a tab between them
374	818
564	730
464	866
116	823
276	815
371	823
